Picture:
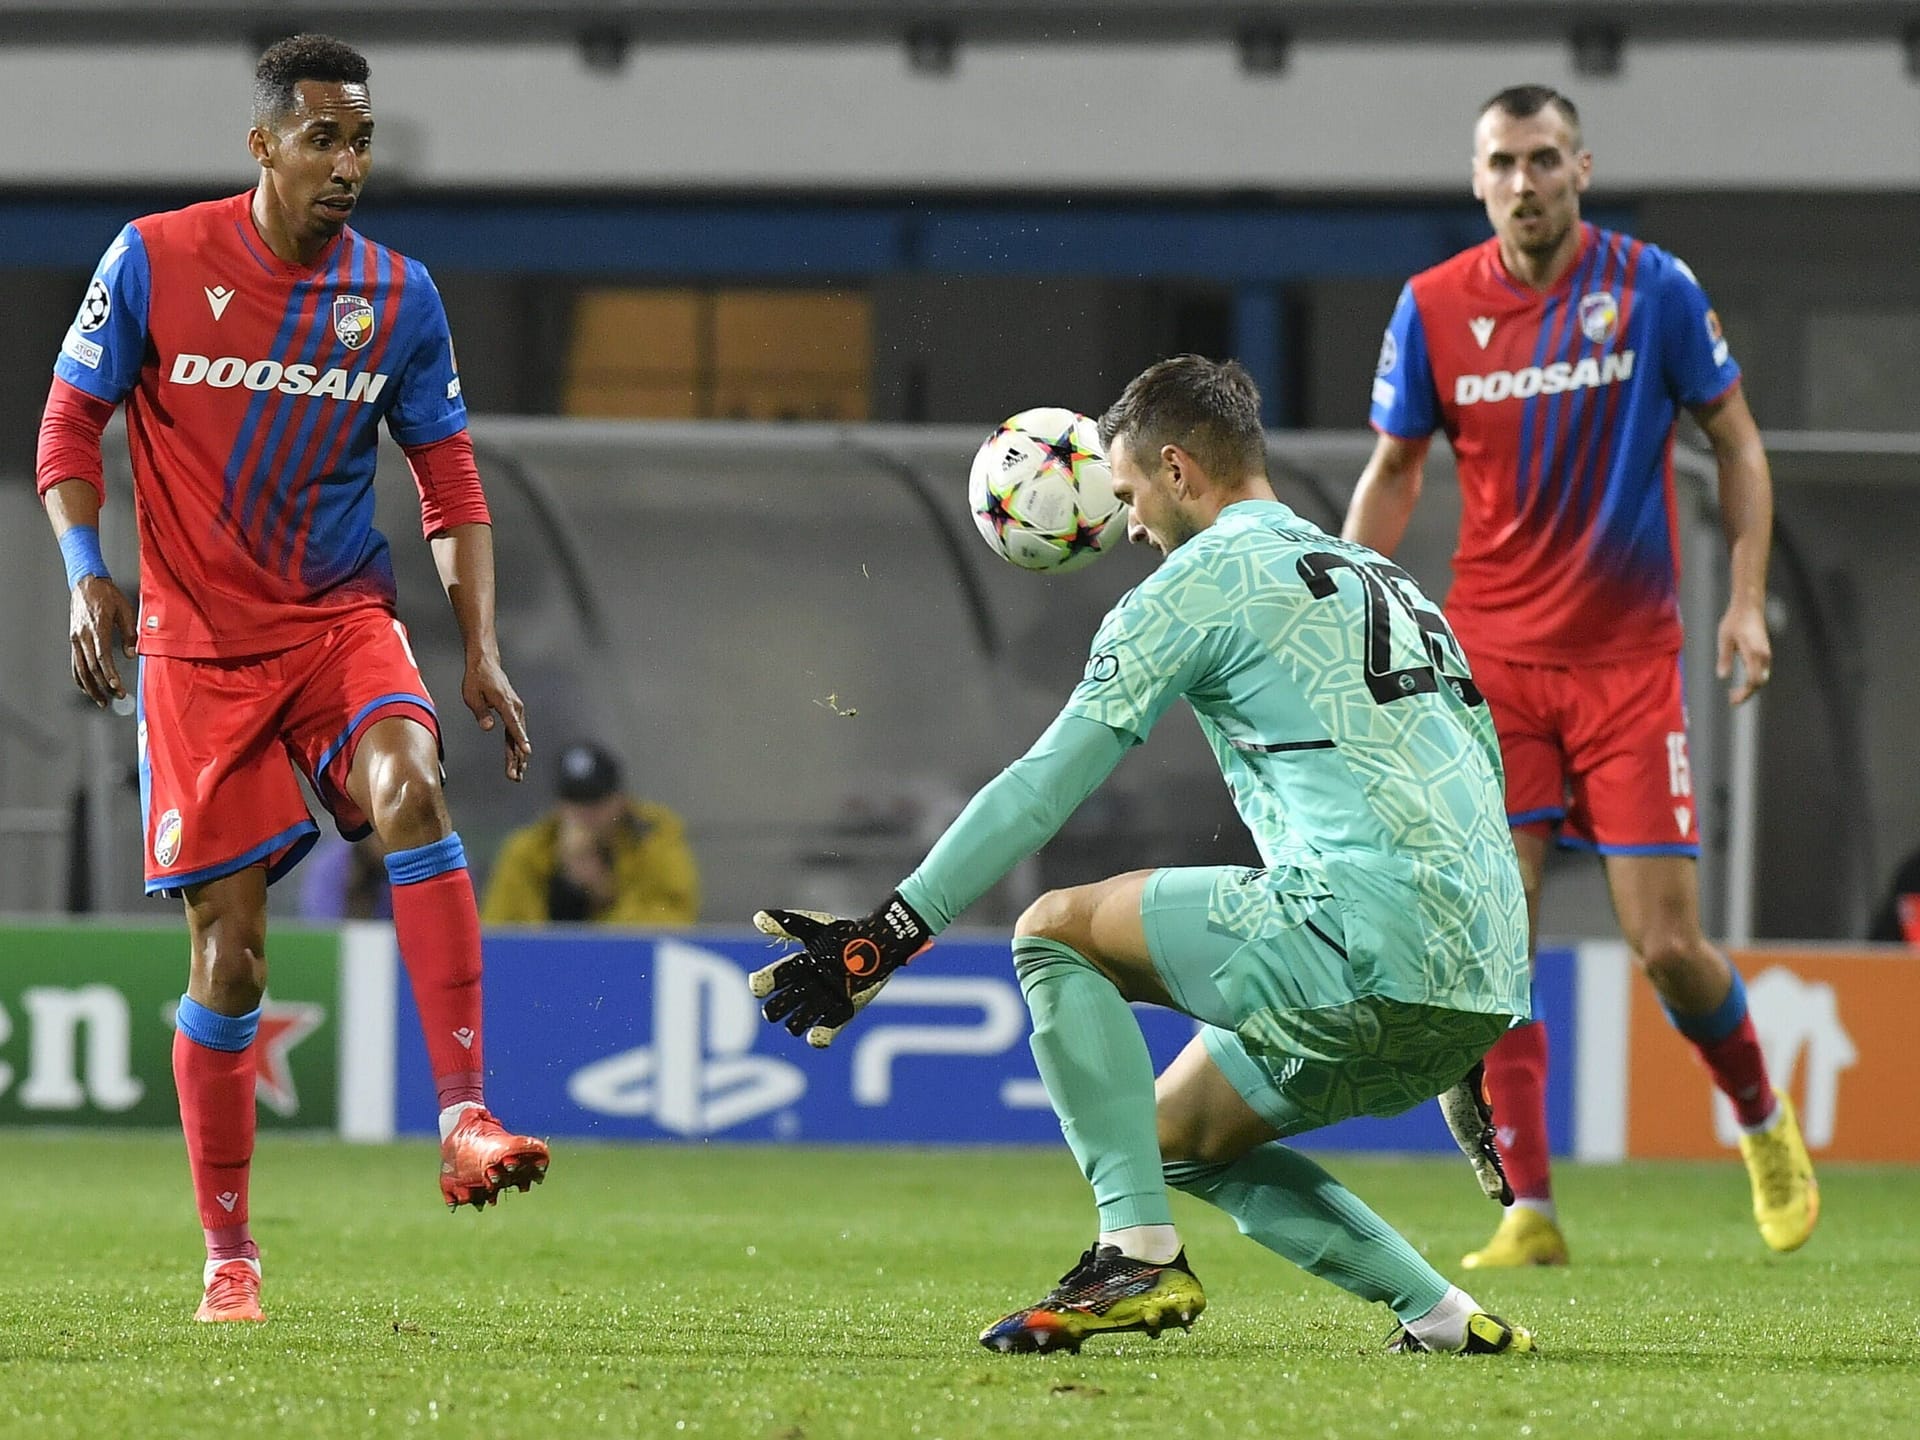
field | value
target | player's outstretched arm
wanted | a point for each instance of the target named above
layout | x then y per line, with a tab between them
464	555
816	991
99	609
1389	488
1746	516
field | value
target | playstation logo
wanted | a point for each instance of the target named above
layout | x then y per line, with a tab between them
698	1077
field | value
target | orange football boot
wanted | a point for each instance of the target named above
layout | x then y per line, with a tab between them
480	1158
233	1293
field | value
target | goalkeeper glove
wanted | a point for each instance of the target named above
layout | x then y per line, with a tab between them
817	990
1470	1118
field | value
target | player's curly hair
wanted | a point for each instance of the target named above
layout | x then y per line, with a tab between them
1523	102
302	57
1209	408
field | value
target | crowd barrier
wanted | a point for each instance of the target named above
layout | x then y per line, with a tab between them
653	1036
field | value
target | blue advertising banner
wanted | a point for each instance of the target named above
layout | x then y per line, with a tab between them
1556	983
631	1037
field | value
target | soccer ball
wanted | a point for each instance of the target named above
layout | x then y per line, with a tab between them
1042	494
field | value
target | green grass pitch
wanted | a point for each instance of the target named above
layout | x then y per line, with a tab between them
787	1295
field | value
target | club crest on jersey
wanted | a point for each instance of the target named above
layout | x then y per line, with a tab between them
352	320
166	839
1599	316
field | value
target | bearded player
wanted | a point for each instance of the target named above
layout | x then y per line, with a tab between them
1363	970
1556	357
257	343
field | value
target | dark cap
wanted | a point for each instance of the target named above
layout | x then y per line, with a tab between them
587	773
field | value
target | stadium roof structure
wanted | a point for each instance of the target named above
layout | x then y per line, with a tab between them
1081	21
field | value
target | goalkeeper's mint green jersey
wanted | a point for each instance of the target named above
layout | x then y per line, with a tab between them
1347	727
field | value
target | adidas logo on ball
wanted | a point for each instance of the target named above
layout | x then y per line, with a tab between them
1042	494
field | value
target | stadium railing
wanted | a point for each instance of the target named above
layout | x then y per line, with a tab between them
794	638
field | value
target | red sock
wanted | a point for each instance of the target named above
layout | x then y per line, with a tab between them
1517	1088
438	925
217	1114
1740	1070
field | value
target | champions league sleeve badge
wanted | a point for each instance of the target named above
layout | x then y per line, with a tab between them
96	305
352	321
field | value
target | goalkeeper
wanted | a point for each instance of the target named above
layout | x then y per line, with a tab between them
1366	969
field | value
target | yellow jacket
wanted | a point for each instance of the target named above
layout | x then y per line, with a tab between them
654	873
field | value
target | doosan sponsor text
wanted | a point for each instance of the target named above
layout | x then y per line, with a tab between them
228	372
1554	379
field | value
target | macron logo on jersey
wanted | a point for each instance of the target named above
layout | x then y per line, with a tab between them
1552	379
229	371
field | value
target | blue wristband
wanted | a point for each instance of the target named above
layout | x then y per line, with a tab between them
80	548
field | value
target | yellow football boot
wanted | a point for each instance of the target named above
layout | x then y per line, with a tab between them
1786	1197
1486	1335
1525	1237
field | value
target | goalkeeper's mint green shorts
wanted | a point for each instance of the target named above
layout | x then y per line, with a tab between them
1264	967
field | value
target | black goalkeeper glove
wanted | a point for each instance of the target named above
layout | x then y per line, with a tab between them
816	991
1470	1118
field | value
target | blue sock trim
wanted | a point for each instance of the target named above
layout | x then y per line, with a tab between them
410	867
80	548
1718	1023
214	1030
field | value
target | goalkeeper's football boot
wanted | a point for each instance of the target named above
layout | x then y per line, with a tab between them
1525	1237
233	1292
1486	1335
1786	1197
1105	1293
480	1158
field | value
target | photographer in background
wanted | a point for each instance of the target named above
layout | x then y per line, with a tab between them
599	857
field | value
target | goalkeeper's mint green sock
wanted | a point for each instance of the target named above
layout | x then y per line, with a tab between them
1290	1205
1094	1063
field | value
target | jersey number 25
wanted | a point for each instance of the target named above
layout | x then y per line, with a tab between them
1388	593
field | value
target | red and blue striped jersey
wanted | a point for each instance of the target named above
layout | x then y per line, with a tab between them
254	391
1561	409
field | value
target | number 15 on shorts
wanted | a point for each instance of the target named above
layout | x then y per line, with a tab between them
1679	771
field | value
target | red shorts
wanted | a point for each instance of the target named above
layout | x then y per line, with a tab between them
1598	750
221	742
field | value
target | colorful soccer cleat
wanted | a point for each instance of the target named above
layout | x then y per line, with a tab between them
1525	1237
1786	1197
1486	1335
480	1158
1105	1293
233	1293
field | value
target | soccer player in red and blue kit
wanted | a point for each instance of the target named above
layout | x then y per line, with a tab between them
1557	356
257	343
